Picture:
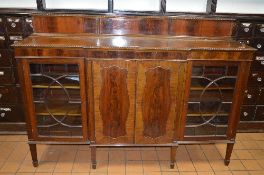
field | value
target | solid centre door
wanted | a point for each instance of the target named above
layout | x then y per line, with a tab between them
137	101
159	101
114	83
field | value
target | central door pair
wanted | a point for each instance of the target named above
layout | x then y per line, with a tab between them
137	102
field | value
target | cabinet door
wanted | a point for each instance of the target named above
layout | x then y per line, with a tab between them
114	100
56	99
159	93
210	101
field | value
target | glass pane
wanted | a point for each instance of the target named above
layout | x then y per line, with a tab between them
27	4
137	5
186	6
57	99
210	100
77	4
241	6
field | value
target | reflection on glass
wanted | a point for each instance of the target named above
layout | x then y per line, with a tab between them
137	5
186	6
25	4
57	99
241	6
210	100
77	4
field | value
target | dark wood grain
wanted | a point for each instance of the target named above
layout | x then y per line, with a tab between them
157	95
135	74
64	24
24	78
156	102
84	114
90	102
183	103
238	99
114	101
150	45
132	25
119	26
154	26
201	27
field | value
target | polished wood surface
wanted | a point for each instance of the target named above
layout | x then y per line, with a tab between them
237	100
132	43
131	25
158	98
201	27
156	102
114	100
135	76
67	24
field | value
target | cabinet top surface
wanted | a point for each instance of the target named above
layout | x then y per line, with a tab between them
139	42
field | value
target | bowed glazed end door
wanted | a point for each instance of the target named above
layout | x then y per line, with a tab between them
55	100
214	102
210	100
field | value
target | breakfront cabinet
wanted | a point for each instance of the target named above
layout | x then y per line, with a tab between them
132	81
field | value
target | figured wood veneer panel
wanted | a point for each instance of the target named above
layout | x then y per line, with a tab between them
119	25
156	102
159	98
154	26
64	24
114	99
134	25
201	27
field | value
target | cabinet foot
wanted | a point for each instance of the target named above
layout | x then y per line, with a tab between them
33	151
171	165
229	149
173	155
94	166
35	164
227	162
93	157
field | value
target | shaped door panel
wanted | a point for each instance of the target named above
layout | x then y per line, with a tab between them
158	100
114	99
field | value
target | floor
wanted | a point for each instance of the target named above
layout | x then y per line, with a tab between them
247	158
